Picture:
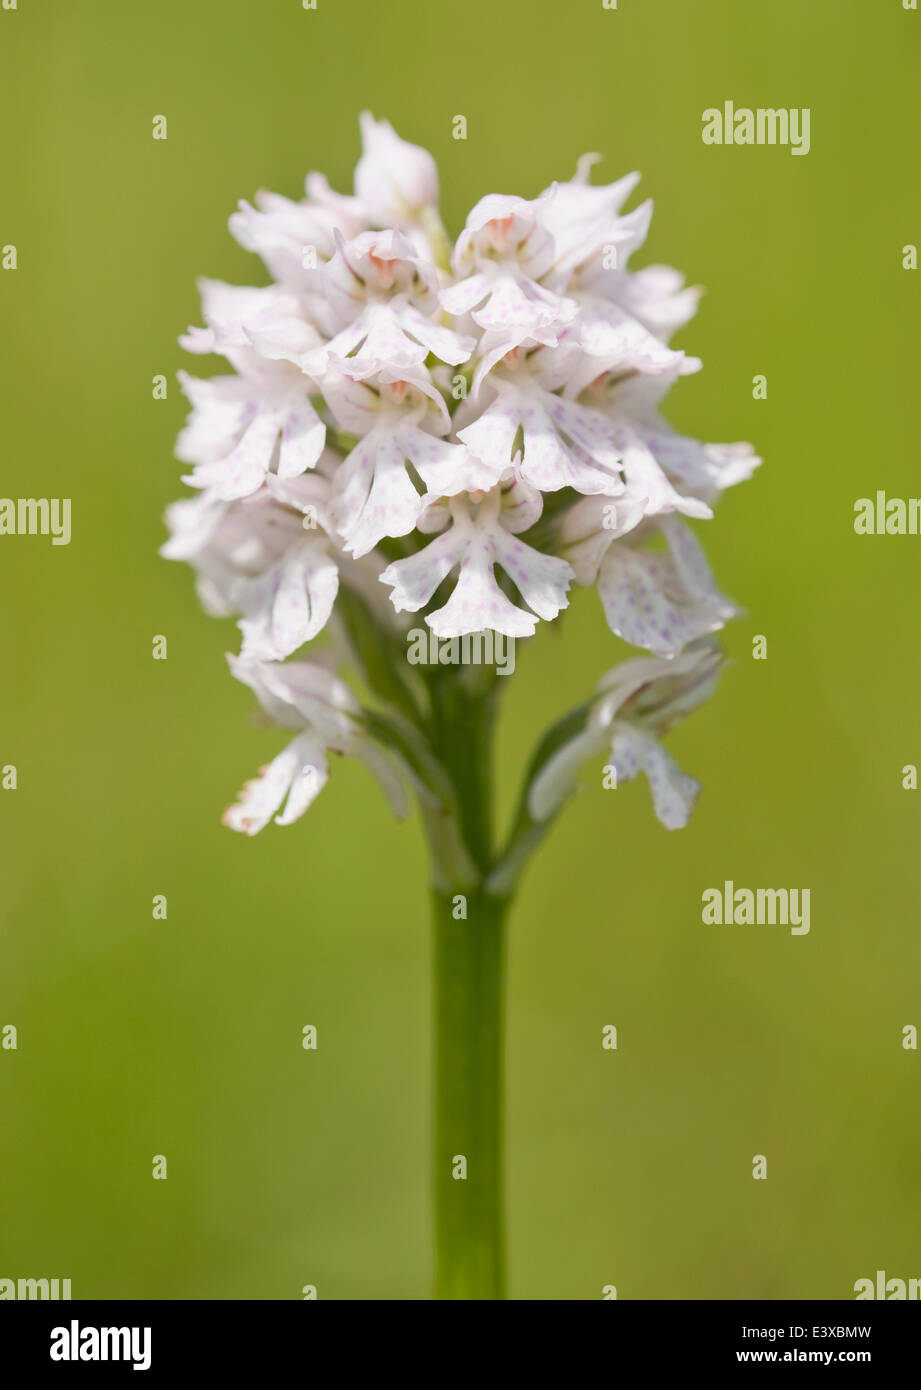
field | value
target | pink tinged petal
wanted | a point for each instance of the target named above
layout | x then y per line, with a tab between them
546	421
673	791
419	379
502	224
500	207
261	797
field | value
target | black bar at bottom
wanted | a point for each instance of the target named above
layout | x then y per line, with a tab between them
305	1342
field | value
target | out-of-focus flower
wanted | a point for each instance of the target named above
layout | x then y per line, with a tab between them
394	180
637	702
322	709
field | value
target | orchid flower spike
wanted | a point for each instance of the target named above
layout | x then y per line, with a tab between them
462	436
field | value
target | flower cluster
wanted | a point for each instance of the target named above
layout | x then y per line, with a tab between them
458	432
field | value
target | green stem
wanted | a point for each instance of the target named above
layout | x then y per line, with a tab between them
469	953
462	730
469	956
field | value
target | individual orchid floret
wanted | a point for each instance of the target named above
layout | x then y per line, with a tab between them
235	314
656	297
659	599
268	557
242	427
321	707
378	308
593	245
398	420
480	539
637	703
614	344
395	181
499	260
289	604
224	541
559	443
583	221
293	238
675	472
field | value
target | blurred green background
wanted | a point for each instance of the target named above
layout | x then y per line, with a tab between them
140	1037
